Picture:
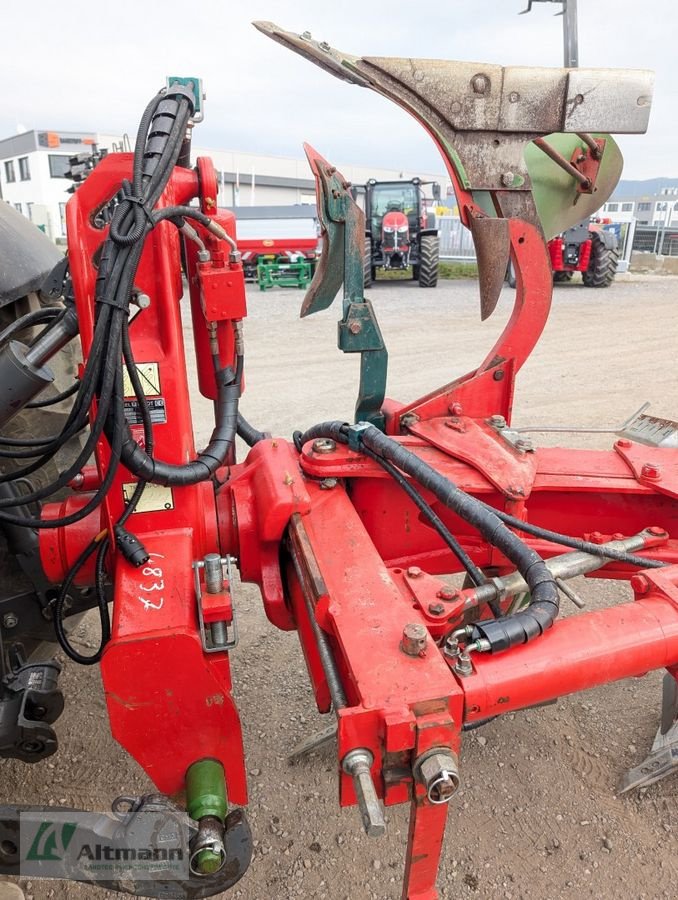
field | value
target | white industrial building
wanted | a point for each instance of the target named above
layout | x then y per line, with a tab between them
33	166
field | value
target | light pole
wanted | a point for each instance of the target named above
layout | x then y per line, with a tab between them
570	38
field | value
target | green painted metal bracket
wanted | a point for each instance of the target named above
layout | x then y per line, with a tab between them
341	262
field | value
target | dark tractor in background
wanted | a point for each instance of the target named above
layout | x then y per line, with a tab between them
400	231
589	248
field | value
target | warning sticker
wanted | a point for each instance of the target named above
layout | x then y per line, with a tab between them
149	376
154	497
156	408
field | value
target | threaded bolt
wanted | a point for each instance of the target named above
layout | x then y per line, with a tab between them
414	639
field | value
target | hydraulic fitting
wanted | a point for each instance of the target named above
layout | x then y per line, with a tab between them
206	803
438	771
357	763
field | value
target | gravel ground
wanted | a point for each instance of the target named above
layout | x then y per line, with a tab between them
537	815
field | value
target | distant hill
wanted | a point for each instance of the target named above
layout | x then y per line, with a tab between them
651	186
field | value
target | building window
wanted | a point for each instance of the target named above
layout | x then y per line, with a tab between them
9	171
18	208
29	211
627	207
58	165
660	207
644	207
62	216
24	169
612	207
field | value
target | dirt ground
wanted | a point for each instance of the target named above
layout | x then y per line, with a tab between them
537	815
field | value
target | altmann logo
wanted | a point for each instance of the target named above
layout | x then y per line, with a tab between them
98	846
51	841
129	854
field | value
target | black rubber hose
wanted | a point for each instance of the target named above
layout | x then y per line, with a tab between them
37	317
472	569
58	611
57	398
577	543
503	633
249	433
200	469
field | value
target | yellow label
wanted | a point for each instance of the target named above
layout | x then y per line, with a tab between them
149	376
155	497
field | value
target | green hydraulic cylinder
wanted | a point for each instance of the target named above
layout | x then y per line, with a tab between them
206	801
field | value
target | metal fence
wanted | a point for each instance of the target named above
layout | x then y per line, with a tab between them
660	241
455	240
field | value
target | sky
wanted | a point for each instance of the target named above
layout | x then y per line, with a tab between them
93	66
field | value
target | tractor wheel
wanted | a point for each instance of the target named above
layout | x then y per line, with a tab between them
562	277
37	423
368	269
428	260
603	264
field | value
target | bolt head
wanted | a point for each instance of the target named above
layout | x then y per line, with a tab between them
436	609
324	445
355	327
414	639
497	421
447	594
10	620
414	572
480	83
507	179
651	471
438	771
409	419
456	409
327	484
624	444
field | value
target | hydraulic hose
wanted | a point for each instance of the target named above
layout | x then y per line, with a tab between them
207	462
472	570
249	433
499	634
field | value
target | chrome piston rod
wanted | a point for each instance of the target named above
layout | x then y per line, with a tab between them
564	566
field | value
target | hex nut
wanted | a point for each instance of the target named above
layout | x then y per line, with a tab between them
438	771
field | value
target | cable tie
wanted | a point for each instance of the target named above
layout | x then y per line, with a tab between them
140	201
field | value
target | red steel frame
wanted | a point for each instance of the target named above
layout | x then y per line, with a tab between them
357	547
